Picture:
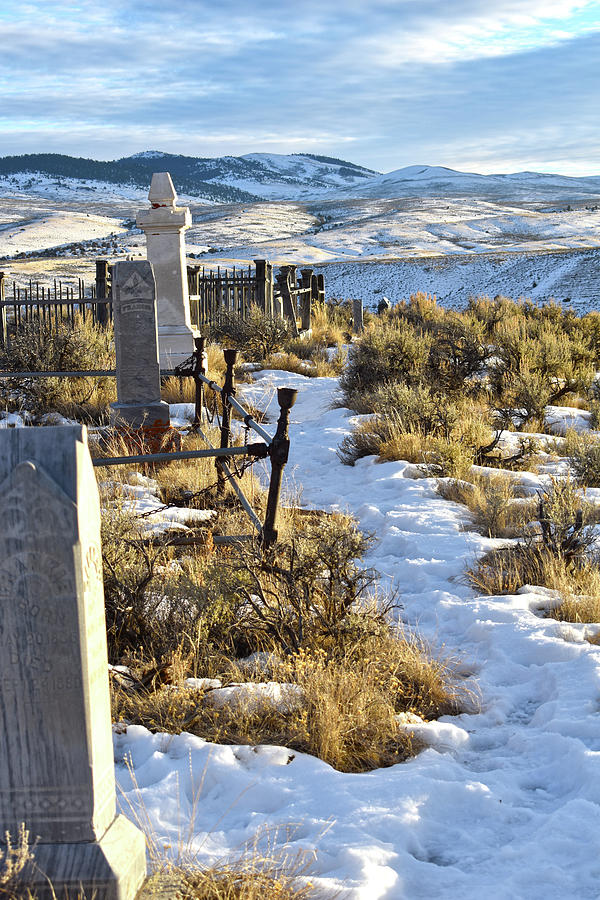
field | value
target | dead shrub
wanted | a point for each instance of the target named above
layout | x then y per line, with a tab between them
15	856
258	335
39	347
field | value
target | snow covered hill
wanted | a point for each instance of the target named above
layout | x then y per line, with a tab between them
271	176
220	180
437	181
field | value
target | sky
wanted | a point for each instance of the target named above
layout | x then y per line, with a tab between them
476	85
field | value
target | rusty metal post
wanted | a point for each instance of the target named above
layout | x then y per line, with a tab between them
227	391
279	452
200	368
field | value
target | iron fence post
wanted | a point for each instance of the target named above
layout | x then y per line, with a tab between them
200	368
227	391
279	453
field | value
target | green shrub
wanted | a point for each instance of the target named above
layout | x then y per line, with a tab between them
387	353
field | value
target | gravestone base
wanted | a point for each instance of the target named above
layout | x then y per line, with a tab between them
175	344
152	417
112	868
145	429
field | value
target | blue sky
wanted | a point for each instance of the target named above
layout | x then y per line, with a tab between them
478	85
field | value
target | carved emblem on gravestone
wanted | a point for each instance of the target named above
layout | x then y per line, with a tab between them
138	286
25	497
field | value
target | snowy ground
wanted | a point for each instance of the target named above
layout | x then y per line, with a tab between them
571	277
505	802
449	246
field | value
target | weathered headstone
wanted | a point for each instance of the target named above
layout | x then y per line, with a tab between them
384	305
164	225
357	316
136	345
57	768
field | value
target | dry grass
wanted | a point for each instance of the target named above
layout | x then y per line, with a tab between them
15	857
192	475
317	365
580	596
347	714
506	569
495	509
267	867
389	438
182	390
178	390
330	325
247	882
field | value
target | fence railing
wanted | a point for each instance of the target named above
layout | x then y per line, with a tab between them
54	302
275	448
215	295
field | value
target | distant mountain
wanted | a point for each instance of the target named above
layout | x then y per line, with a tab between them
130	172
438	181
262	175
271	176
257	176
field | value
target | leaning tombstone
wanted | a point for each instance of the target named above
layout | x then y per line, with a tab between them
383	305
138	403
57	768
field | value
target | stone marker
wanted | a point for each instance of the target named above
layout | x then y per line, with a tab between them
164	225
136	345
357	316
56	753
383	306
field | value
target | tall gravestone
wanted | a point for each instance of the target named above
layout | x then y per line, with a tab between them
56	753
164	225
136	346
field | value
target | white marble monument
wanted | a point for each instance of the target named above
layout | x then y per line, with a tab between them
56	753
164	225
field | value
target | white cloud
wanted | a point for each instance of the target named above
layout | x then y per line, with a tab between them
397	80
